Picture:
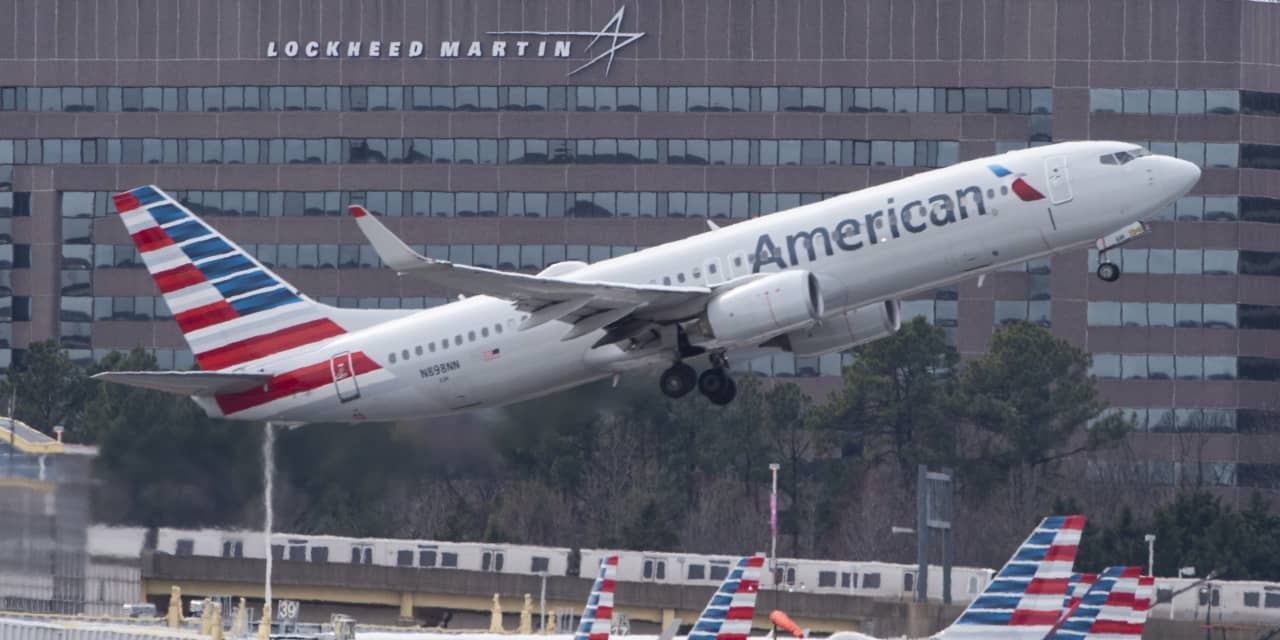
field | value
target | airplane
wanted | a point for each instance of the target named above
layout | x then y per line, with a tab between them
732	607
1024	601
1115	607
597	616
816	279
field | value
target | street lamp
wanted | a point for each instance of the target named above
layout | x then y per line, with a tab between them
1151	553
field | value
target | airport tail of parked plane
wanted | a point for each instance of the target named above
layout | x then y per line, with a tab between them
597	616
233	311
732	607
1025	598
1115	608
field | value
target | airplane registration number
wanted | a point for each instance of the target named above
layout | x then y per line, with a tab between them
439	369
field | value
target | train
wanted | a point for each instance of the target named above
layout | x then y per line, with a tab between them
1215	601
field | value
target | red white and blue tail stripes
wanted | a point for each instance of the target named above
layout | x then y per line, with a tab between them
1111	597
231	309
729	612
1025	599
597	616
1124	613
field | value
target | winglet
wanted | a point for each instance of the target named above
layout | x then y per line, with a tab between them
393	251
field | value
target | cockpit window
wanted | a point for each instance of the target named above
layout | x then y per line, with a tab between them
1123	157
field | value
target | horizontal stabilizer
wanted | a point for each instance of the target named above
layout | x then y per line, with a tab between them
188	383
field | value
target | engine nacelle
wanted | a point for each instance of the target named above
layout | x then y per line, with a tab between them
763	308
846	330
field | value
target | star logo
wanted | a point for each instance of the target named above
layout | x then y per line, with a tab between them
611	33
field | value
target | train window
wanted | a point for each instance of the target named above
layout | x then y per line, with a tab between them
486	560
319	554
449	559
426	557
404	558
826	578
540	564
908	582
361	555
719	571
791	576
1211	596
298	550
697	572
497	560
973	584
368	555
1252	599
277	551
185	547
232	549
1271	599
871	581
648	569
661	570
1163	595
846	580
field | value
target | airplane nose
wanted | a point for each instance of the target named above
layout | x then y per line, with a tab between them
1178	174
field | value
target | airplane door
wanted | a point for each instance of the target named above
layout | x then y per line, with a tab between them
344	377
1055	170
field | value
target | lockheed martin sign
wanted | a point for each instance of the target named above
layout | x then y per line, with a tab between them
497	44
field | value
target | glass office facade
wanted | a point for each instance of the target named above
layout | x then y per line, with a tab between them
516	163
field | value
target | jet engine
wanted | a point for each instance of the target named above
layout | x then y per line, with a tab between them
845	330
758	310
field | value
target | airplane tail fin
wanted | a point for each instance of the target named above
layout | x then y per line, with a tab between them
1025	598
1108	601
597	616
729	613
230	308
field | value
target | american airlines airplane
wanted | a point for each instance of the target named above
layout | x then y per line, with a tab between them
815	279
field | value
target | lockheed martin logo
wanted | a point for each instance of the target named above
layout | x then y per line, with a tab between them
503	44
612	31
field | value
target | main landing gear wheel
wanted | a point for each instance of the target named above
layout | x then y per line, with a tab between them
678	381
1108	272
717	386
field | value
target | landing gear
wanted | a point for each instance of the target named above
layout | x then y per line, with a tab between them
678	381
717	386
1108	271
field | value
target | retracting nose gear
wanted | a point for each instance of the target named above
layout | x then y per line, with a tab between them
1109	271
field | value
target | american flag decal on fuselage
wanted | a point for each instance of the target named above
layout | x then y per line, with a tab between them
231	309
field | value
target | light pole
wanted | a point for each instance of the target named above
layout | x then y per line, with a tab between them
1151	553
773	530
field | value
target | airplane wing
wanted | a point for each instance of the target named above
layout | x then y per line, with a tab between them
586	304
187	383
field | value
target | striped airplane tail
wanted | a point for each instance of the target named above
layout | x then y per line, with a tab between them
1025	599
729	612
231	309
1109	601
597	616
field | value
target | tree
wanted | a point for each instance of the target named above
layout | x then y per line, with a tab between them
49	388
1028	399
894	399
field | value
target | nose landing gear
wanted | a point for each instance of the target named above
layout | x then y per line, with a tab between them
1108	271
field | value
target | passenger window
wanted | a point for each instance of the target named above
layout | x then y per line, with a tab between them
471	336
405	354
697	572
457	340
417	350
1251	599
680	277
497	328
871	581
484	332
711	268
908	582
666	280
697	274
431	347
444	344
737	261
826	578
392	357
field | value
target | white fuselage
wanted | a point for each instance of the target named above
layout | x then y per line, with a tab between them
880	243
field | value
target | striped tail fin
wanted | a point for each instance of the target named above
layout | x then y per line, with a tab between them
597	616
231	309
729	612
1025	599
1111	596
1116	613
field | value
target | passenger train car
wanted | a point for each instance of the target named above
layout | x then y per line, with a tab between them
1233	602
